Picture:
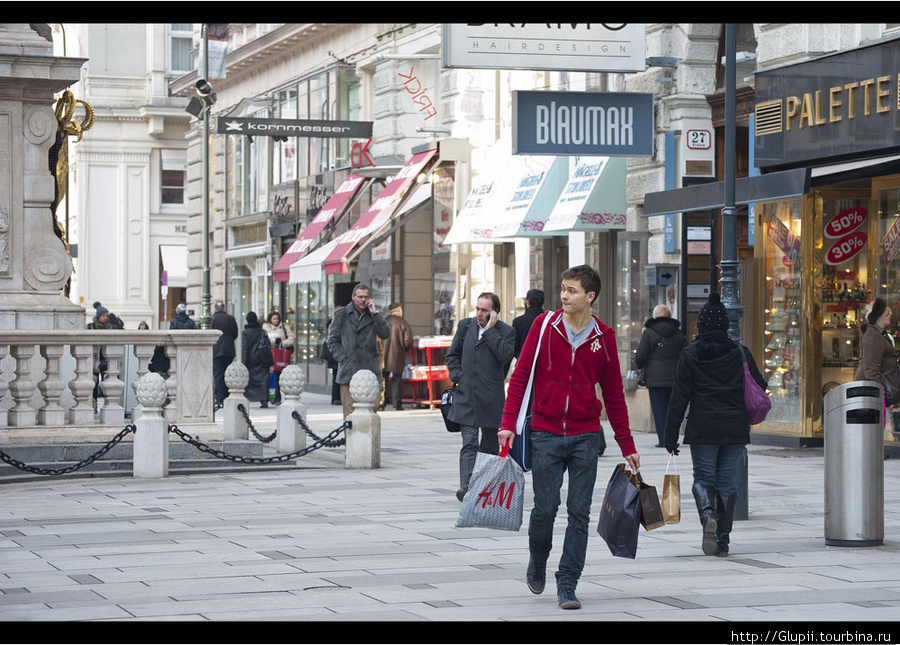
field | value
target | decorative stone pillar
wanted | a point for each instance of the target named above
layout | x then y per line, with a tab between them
151	438
234	425
290	436
34	262
364	437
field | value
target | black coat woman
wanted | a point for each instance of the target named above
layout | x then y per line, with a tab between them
256	355
709	378
657	354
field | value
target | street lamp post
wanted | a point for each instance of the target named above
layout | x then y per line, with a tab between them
206	316
729	266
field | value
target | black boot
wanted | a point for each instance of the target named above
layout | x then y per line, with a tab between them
705	497
725	506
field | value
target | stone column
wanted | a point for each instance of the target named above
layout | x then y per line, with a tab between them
364	437
290	436
34	262
234	425
151	438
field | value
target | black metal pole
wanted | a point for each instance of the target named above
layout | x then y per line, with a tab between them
730	267
205	298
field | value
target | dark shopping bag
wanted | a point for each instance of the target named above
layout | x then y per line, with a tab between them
282	358
496	495
620	515
446	404
651	510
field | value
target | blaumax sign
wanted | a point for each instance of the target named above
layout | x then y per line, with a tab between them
611	124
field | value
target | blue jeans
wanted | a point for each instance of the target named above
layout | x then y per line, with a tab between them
715	465
552	456
659	404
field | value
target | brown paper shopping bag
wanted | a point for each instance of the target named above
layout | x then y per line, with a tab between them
671	494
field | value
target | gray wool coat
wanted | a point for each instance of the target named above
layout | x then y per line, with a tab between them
479	368
351	339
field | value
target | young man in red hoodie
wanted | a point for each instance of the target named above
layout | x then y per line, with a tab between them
577	353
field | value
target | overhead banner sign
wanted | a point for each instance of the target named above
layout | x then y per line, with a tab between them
599	124
293	128
577	47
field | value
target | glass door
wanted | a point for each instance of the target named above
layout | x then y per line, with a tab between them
843	285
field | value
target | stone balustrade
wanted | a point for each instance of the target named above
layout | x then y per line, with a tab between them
47	378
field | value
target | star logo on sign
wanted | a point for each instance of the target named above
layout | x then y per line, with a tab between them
234	126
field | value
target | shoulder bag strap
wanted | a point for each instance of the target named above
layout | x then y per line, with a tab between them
526	400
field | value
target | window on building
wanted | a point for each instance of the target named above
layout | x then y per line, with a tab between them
173	172
181	42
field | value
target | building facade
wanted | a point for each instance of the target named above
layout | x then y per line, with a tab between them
125	211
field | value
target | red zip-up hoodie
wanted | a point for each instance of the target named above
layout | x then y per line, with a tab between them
565	399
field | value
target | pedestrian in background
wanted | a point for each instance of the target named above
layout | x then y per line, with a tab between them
332	364
282	337
255	348
709	378
181	319
578	352
534	307
477	359
657	354
351	340
396	350
224	350
877	355
100	321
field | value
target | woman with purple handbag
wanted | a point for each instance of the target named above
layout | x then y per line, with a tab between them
710	377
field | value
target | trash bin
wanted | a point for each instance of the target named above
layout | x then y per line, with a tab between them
854	465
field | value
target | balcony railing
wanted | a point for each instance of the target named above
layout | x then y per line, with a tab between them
47	378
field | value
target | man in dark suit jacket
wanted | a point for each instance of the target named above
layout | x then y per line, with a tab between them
534	307
476	360
223	351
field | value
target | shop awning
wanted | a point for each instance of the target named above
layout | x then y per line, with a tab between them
174	262
332	208
309	267
530	184
471	224
378	214
762	188
544	199
593	198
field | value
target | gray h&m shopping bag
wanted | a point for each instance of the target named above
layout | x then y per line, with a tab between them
496	495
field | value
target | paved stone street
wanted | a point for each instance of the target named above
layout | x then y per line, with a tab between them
322	543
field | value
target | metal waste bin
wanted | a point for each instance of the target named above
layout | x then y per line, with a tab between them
854	465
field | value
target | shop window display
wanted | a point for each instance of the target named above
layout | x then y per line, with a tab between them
782	226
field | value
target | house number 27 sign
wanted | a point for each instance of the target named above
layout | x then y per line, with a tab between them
699	139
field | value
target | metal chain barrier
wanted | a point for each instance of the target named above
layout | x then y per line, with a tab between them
329	441
246	415
68	469
333	444
325	442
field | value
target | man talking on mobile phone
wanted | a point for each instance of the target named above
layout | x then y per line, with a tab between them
481	349
352	340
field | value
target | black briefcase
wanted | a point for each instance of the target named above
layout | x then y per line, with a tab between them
446	404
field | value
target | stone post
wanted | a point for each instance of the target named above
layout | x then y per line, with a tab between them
364	437
151	438
234	425
290	436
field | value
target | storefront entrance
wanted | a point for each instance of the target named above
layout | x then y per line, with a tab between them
822	258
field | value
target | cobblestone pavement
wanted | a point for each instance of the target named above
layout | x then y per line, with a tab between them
319	542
